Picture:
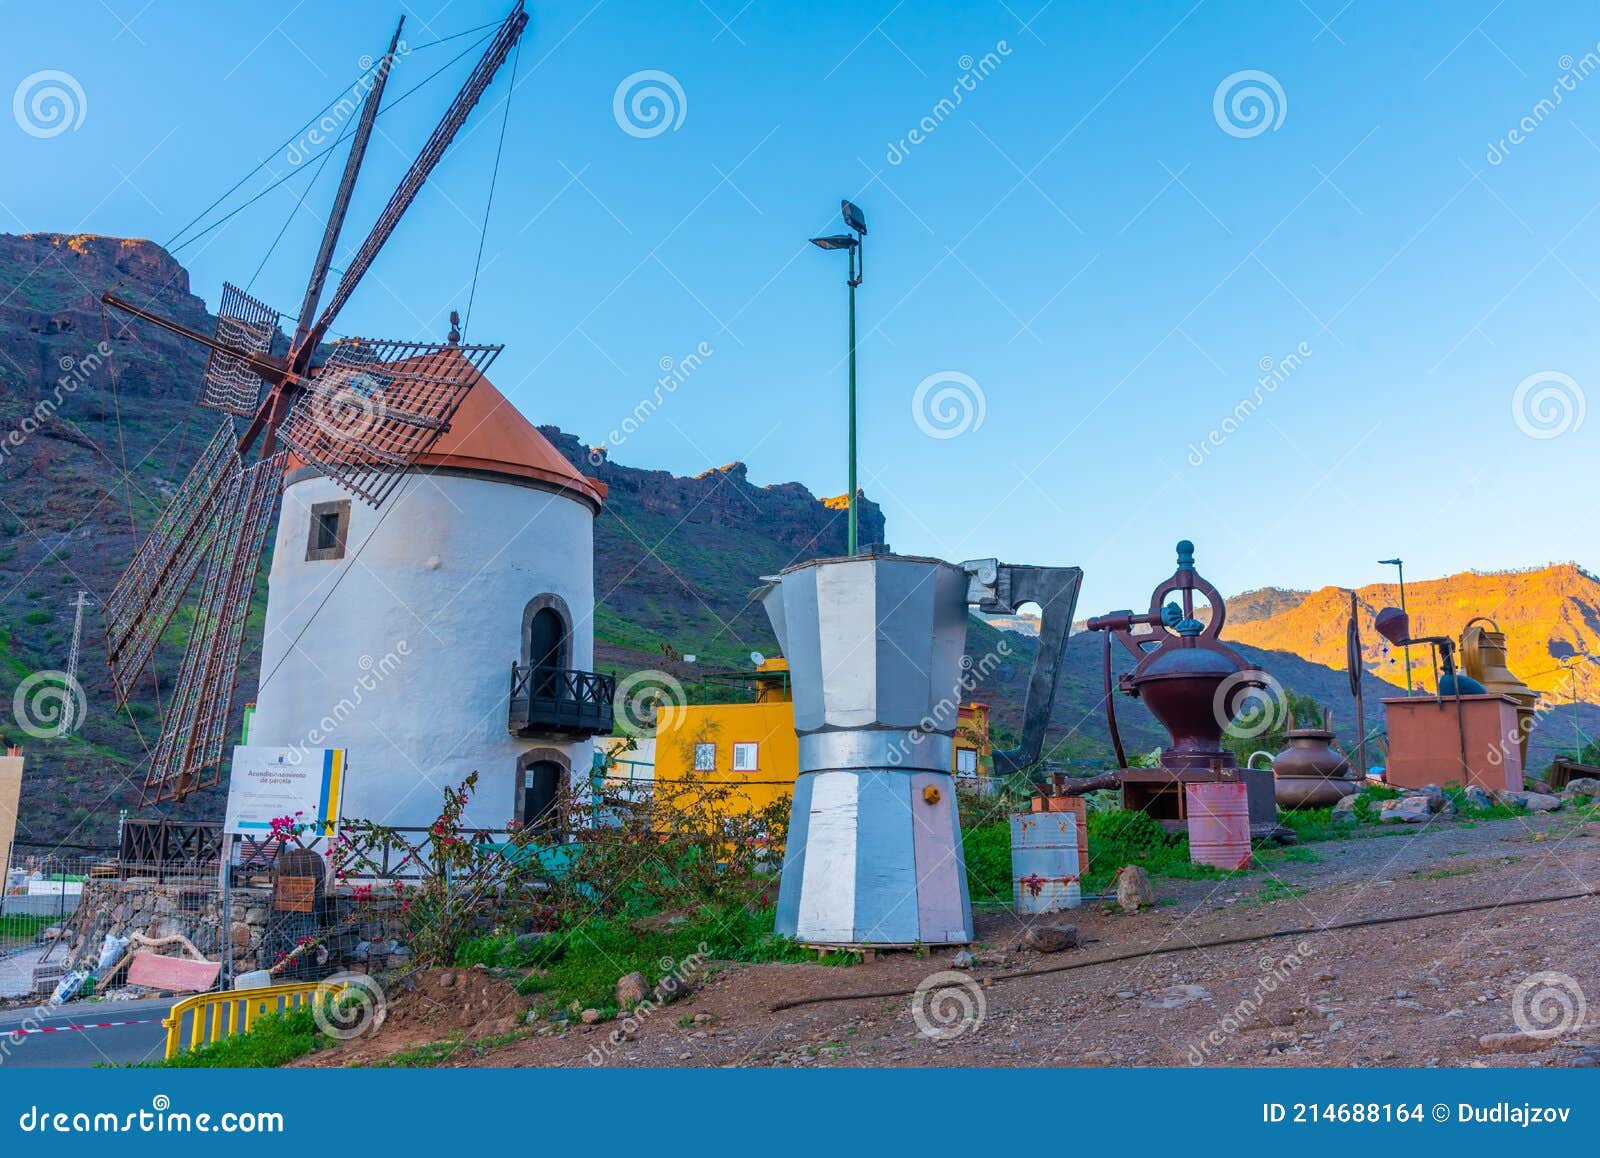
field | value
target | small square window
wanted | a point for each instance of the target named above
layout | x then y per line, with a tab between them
705	757
744	757
330	526
966	761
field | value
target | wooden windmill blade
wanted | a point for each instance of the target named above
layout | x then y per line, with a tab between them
138	611
189	754
376	407
245	328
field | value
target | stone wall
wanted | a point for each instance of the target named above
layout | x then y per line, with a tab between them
259	935
165	910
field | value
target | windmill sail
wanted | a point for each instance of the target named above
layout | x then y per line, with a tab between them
246	326
375	407
163	569
189	753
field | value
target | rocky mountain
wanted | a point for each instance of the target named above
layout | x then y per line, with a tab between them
1549	614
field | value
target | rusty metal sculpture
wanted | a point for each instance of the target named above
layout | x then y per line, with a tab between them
1195	685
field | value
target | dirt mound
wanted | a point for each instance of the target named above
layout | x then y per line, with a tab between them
429	1006
455	1002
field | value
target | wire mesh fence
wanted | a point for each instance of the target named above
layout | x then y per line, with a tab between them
41	894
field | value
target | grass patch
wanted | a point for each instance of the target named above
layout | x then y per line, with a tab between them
23	926
1287	854
1276	891
437	1053
582	964
1314	824
273	1040
1440	874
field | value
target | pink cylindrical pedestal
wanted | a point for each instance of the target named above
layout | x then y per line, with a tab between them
1219	824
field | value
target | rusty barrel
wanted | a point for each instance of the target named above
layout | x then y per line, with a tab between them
1219	824
1044	862
1080	809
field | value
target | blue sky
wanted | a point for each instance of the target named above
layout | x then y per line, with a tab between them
1106	258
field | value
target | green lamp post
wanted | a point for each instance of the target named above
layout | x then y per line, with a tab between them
853	243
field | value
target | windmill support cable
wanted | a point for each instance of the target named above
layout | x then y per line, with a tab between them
295	212
337	97
1219	943
293	173
494	176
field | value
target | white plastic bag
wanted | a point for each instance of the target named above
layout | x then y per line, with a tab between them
111	952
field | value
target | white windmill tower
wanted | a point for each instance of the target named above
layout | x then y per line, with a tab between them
450	631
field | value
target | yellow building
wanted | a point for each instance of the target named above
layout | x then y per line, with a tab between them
751	743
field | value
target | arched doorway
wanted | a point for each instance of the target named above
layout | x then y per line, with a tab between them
545	643
541	776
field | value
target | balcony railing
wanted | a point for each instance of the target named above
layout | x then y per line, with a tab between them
560	701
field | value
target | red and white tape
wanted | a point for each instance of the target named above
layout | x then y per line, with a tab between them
69	1028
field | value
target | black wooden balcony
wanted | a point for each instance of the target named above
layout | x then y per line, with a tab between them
557	701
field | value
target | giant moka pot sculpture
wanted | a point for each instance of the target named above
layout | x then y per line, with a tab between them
876	648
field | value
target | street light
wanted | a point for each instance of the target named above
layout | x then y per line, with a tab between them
856	222
1401	565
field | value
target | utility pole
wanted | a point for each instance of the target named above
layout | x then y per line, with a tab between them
69	705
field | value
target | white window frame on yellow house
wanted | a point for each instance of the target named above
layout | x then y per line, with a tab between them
754	749
962	755
703	747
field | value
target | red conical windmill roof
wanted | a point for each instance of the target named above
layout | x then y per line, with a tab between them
490	435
